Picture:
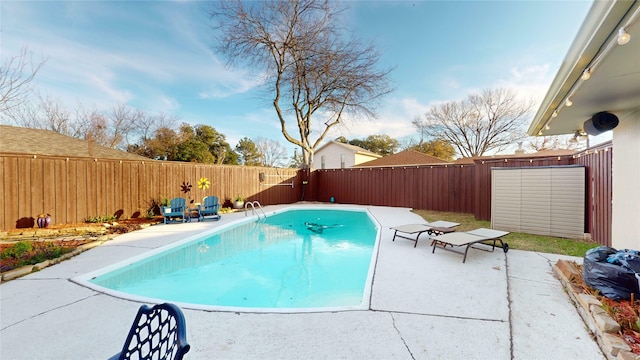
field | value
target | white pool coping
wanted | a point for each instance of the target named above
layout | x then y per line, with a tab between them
422	306
85	279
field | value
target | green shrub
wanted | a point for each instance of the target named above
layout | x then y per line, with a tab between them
17	250
28	253
100	219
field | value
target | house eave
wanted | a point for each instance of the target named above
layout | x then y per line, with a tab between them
599	28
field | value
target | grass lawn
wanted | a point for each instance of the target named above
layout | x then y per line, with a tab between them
520	241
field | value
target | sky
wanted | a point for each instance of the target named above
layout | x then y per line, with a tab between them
158	56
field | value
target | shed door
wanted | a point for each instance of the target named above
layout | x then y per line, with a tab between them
545	201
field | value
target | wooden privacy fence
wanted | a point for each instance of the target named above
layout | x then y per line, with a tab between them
438	187
73	189
463	188
598	165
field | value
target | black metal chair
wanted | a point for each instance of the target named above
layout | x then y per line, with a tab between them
158	332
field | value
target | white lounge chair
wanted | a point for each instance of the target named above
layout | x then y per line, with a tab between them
436	227
468	238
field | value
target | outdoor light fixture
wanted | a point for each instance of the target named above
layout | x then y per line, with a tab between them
579	135
604	121
623	36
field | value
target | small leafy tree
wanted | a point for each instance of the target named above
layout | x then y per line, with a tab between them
439	148
380	144
249	153
295	161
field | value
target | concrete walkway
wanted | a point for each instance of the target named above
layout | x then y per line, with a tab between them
423	306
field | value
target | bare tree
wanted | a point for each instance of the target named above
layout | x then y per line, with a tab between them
16	74
123	120
114	127
145	133
481	123
272	153
310	67
55	116
42	112
28	114
539	143
148	124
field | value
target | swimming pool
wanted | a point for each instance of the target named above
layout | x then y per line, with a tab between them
297	259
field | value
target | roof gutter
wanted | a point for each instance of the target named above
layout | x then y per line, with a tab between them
600	24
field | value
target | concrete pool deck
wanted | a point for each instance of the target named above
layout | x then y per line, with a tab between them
423	306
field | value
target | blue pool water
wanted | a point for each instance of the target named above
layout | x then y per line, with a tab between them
293	259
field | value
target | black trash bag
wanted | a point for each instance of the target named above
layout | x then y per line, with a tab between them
627	258
614	280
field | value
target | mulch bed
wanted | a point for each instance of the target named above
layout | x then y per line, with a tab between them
624	312
39	251
44	249
127	222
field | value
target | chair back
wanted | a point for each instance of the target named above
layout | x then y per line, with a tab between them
158	332
178	205
211	203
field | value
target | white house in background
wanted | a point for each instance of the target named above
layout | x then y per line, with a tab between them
601	73
337	155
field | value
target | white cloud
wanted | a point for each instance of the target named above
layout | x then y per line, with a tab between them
108	68
394	119
397	113
228	86
118	95
529	82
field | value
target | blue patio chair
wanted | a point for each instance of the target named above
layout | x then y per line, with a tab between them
177	208
158	332
209	207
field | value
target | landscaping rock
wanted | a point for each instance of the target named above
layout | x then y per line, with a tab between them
615	343
41	265
90	245
568	269
16	273
66	256
88	236
605	322
626	355
587	300
596	319
30	233
46	232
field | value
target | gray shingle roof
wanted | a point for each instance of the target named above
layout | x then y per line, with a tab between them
407	157
18	140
